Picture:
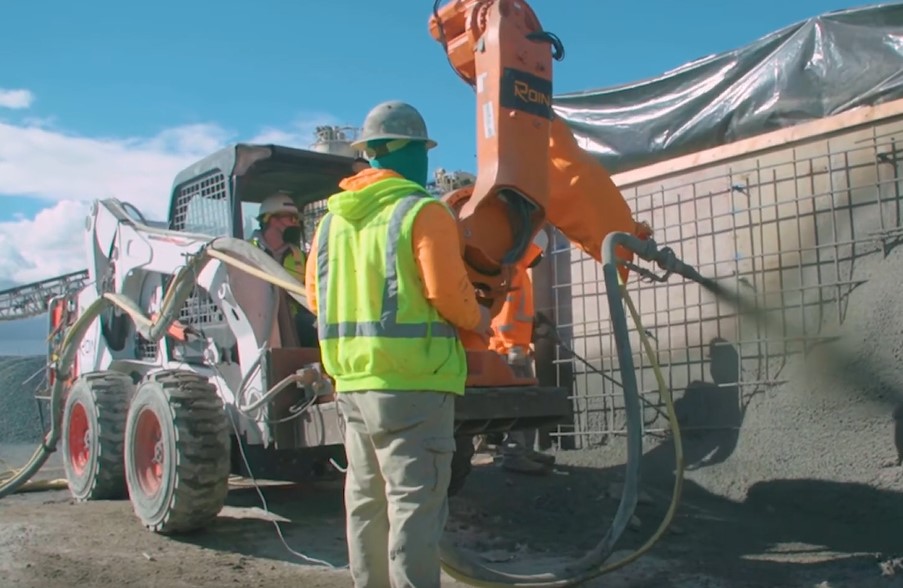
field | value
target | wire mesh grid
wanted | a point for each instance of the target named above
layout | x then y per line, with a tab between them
785	225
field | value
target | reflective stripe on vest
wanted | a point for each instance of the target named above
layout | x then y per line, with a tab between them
388	325
520	313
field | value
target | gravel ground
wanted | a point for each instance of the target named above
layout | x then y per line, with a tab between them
784	534
832	420
805	494
20	419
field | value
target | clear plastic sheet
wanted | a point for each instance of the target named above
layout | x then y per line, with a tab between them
810	70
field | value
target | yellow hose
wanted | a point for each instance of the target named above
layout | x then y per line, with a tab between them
293	287
675	430
32	485
36	485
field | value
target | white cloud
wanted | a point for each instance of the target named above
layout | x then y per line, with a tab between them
47	245
300	134
15	99
70	170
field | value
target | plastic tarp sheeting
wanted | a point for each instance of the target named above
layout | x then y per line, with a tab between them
810	70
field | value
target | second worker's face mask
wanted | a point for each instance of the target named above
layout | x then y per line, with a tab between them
292	235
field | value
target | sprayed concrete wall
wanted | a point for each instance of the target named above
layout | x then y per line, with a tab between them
785	216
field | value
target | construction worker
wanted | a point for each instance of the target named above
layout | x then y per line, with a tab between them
279	234
512	337
387	282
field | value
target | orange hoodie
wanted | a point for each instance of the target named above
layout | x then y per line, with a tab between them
513	325
437	250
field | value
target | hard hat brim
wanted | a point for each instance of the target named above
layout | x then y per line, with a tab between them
360	144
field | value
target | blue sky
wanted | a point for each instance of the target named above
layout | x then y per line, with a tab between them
121	95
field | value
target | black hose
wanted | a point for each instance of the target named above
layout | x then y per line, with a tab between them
592	563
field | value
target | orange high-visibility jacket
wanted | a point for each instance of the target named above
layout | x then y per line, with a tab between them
513	325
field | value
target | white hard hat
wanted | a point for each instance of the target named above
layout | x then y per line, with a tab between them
537	248
279	202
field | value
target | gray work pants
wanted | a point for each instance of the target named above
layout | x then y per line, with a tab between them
399	447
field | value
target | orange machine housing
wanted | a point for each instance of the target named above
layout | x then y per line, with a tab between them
487	44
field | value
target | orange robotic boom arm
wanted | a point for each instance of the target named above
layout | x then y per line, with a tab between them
530	168
499	48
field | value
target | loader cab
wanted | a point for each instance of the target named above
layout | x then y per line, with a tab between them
220	195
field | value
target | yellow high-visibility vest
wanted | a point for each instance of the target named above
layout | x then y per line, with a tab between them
377	330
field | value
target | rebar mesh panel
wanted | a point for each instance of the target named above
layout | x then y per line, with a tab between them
785	225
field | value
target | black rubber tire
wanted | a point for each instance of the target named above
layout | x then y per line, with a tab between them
99	401
194	448
461	463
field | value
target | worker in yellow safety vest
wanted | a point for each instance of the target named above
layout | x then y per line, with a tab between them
387	282
279	234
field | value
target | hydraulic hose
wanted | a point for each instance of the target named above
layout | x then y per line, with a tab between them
234	252
593	564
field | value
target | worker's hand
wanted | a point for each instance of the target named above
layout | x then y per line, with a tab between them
485	326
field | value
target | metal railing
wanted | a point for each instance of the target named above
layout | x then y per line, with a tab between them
32	299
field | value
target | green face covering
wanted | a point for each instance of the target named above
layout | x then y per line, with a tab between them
411	161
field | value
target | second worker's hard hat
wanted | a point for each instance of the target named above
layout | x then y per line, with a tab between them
393	120
279	203
541	240
537	248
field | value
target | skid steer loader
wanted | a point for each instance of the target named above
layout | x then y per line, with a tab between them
162	421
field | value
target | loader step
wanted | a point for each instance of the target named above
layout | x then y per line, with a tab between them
488	410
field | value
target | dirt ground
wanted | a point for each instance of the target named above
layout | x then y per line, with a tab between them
804	533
